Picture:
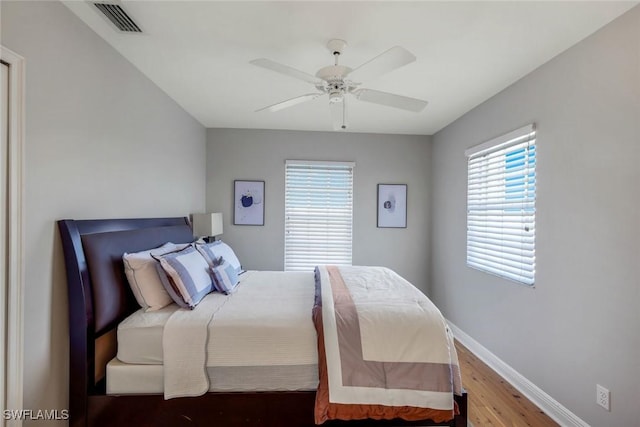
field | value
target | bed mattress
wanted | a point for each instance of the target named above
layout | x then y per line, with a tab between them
262	338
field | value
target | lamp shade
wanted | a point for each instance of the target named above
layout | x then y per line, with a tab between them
207	224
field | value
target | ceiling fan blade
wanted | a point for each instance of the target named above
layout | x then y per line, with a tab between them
286	70
338	114
390	99
291	102
393	58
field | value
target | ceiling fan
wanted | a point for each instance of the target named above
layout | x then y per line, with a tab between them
338	81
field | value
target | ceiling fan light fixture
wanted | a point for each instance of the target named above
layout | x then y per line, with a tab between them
336	96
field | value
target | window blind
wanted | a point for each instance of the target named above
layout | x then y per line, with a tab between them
318	214
501	194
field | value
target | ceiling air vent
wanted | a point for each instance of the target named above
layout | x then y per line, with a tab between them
117	15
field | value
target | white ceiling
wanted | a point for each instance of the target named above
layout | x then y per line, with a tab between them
198	52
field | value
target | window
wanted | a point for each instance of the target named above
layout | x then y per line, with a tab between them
318	214
501	195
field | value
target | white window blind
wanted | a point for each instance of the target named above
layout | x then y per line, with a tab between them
318	214
501	195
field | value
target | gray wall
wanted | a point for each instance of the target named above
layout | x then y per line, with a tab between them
580	324
261	154
101	141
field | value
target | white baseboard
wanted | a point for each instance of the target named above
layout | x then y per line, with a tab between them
550	406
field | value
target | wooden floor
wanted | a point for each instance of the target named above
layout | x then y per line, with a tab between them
493	401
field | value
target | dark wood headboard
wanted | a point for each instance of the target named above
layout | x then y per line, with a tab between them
98	292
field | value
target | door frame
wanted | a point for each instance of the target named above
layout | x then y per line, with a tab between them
15	266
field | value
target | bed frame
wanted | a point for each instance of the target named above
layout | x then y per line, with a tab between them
100	298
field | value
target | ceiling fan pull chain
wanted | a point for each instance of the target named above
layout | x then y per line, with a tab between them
344	113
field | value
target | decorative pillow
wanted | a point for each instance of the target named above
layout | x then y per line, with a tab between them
225	278
215	250
140	269
169	287
189	276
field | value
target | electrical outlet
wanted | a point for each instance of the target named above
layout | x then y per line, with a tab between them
603	397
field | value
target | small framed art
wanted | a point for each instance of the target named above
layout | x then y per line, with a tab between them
248	202
392	205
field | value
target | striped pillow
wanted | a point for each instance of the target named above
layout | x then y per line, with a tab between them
225	277
171	289
189	276
213	251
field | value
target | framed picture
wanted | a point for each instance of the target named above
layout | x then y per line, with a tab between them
392	205
248	202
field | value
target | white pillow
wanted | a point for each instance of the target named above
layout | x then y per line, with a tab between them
141	272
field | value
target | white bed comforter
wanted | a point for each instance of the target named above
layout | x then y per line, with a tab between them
241	329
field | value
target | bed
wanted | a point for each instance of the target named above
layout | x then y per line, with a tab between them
100	299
